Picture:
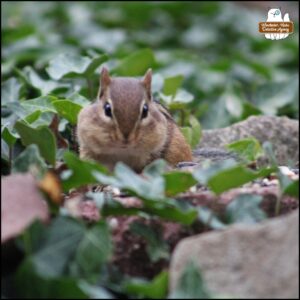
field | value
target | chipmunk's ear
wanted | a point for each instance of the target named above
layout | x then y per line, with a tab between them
146	81
104	81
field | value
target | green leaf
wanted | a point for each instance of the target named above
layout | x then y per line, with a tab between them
204	174
192	134
178	182
31	118
95	63
8	136
94	249
155	168
183	96
115	208
245	209
4	150
234	177
292	189
249	109
135	64
16	33
157	248
196	131
68	63
155	289
68	110
288	186
271	96
179	101
43	104
94	292
171	84
58	247
41	136
10	91
249	149
167	209
149	189
31	284
190	284
28	160
188	134
269	152
80	172
208	218
44	86
171	210
227	174
32	237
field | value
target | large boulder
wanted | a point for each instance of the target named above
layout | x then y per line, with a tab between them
243	261
282	132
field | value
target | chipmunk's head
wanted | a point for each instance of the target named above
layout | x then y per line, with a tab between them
126	106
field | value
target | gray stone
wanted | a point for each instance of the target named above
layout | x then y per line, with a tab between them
282	132
258	261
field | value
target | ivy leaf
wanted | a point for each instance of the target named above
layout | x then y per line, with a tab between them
193	133
94	249
171	84
135	64
9	137
95	63
288	186
59	247
42	136
44	86
28	159
227	174
249	149
208	218
245	209
67	63
44	104
155	289
157	248
68	110
151	189
235	177
31	284
190	284
10	91
80	172
177	182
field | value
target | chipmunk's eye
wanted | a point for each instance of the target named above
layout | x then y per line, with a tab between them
107	110
145	111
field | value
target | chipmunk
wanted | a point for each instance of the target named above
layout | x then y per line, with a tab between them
125	124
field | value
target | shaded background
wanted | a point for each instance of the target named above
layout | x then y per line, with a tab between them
229	68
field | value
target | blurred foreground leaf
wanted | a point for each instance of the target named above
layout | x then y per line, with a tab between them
190	285
245	209
155	289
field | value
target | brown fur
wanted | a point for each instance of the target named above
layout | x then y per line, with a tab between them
126	137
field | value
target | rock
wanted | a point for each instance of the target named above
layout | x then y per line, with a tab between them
282	132
259	261
21	204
